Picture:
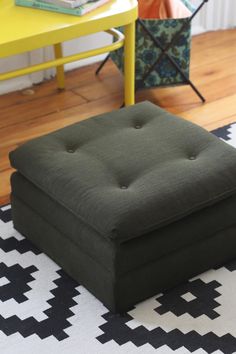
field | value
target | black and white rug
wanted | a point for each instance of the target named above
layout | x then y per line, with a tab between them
43	311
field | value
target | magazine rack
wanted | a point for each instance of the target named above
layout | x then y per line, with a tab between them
162	51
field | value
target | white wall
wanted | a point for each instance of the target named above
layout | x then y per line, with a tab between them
216	14
7	64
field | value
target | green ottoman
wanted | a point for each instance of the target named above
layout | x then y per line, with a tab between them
128	203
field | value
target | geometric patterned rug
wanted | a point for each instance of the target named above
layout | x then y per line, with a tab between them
44	311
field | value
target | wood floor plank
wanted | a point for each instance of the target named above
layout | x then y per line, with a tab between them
211	51
5	186
74	79
38	107
214	110
4	160
213	39
47	123
215	125
100	88
209	83
25	116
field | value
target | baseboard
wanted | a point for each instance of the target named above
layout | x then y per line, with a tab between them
198	30
17	84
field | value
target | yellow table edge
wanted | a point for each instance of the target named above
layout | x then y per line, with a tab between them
127	20
68	32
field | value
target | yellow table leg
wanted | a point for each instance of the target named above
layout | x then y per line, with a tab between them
60	69
129	64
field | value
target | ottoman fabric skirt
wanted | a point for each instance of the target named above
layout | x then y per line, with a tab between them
121	275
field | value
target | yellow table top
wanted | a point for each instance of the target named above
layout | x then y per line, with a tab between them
23	29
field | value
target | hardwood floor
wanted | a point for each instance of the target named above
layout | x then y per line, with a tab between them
213	70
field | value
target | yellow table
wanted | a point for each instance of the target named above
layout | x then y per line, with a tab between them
23	29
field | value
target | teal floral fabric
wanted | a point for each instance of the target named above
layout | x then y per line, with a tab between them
165	74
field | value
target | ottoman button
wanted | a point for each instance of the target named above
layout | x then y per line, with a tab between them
192	158
70	150
137	126
124	187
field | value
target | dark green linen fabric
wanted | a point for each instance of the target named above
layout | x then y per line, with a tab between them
130	172
121	259
121	293
77	264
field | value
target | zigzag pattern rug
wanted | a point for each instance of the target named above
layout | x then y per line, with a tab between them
42	310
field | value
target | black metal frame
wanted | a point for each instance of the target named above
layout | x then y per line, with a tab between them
164	52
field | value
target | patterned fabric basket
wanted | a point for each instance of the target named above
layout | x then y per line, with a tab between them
165	74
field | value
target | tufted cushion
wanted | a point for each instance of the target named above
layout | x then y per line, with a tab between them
130	172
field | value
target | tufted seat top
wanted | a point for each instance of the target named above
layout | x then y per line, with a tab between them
130	172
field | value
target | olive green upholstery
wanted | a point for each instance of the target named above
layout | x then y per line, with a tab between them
129	203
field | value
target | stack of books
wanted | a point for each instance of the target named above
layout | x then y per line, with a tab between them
71	7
